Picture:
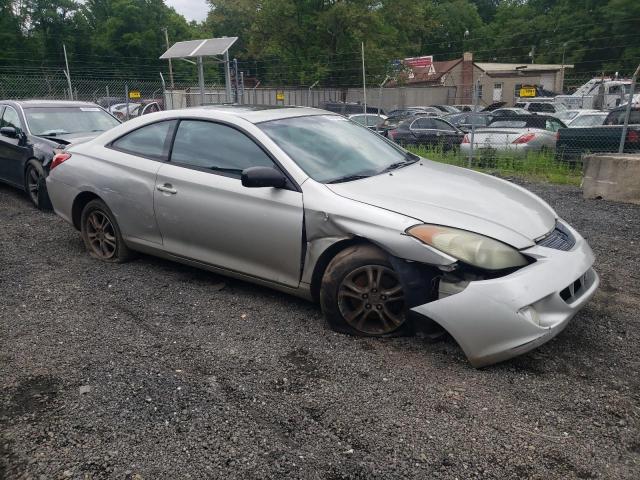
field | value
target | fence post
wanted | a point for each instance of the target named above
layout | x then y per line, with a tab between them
473	124
625	127
126	100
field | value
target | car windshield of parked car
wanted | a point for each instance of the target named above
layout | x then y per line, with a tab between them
330	148
508	124
588	121
68	120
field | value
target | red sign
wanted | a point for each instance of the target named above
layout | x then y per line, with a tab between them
419	62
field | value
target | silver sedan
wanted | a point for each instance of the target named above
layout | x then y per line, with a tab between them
309	203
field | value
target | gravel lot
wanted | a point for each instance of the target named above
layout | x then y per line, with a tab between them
152	370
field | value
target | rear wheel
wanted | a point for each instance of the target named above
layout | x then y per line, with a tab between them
361	294
101	234
33	176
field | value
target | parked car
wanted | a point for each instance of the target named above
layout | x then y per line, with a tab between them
468	107
369	120
568	115
447	108
347	108
428	131
392	121
400	112
146	107
574	142
107	102
588	120
465	120
542	107
32	131
517	135
509	112
119	110
309	203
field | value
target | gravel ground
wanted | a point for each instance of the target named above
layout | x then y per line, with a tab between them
152	370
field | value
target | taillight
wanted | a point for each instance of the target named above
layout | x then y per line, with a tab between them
58	159
558	135
526	138
633	136
466	138
392	133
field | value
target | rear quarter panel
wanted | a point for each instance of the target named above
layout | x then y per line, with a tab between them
124	182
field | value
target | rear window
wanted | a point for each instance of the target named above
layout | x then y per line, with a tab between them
508	124
617	117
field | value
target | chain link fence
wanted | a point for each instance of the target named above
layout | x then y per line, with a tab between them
530	138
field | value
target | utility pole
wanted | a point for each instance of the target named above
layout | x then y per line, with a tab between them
67	73
364	81
627	112
166	39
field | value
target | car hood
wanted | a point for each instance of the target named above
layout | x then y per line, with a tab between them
72	138
452	196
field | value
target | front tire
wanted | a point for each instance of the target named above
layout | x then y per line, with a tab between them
101	234
33	176
362	295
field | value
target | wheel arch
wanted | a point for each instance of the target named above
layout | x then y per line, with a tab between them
79	203
329	254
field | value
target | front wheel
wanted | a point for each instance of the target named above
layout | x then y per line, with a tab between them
361	294
101	234
33	176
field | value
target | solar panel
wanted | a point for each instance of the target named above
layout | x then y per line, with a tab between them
200	48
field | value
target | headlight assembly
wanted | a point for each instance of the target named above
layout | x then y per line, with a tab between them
471	248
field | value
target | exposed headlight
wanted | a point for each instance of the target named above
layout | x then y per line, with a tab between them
471	248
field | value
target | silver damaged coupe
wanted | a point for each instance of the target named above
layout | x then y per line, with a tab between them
315	205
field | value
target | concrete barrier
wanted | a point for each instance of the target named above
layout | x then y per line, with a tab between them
612	177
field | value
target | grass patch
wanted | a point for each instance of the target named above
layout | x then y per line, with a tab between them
537	166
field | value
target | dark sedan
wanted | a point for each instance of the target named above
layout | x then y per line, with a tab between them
429	131
33	131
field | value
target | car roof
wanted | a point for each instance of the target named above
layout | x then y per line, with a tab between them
258	113
49	103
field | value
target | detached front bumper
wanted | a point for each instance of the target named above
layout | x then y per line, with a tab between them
493	320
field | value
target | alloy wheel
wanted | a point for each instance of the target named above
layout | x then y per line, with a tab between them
101	235
371	300
33	180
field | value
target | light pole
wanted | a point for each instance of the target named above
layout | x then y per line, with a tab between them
564	48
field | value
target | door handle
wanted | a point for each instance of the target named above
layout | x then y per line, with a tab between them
167	188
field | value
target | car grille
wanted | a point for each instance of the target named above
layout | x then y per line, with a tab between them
578	287
559	238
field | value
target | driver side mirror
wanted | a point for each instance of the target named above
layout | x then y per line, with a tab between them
257	177
10	132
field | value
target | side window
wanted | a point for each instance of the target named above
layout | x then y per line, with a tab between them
209	145
10	119
553	126
440	125
149	141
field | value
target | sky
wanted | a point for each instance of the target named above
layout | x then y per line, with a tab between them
191	9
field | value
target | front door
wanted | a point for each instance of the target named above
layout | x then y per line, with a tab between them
205	213
497	92
14	151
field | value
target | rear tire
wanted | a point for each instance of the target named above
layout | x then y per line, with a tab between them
362	295
101	233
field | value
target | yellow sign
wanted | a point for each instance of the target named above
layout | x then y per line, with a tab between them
134	93
528	92
280	96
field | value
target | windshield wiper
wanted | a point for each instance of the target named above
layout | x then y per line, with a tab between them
53	133
395	165
348	178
